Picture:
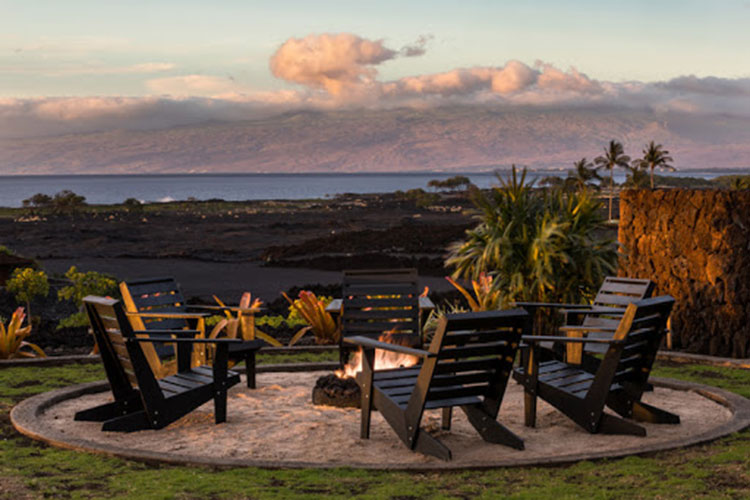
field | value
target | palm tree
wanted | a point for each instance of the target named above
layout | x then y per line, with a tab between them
654	157
582	174
614	156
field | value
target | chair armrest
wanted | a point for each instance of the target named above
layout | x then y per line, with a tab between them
587	329
426	304
369	343
576	340
179	333
551	305
598	310
168	315
251	310
335	306
168	339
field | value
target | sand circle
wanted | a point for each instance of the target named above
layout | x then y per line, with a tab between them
277	425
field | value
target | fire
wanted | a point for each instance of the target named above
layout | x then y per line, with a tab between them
383	359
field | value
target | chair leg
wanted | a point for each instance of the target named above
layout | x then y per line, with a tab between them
109	410
609	424
447	418
490	429
428	445
647	413
131	422
365	379
250	369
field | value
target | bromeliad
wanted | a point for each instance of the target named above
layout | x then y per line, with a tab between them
12	338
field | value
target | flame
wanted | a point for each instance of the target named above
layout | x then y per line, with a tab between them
384	360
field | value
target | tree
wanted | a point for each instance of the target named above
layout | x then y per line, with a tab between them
537	245
39	200
583	174
452	183
654	157
614	156
67	201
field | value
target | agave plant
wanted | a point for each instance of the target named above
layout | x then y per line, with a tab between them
319	321
537	245
12	339
486	297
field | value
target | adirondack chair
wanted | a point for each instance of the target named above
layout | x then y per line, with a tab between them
467	364
142	401
158	303
604	312
617	380
378	301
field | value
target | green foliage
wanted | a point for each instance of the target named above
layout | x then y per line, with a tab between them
614	156
734	182
419	196
81	285
88	283
538	245
27	283
133	205
654	156
5	250
39	200
65	201
636	179
452	183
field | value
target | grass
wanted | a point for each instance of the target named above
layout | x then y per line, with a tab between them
717	470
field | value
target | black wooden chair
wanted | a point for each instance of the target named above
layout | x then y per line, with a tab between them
617	380
467	364
378	301
601	317
154	304
141	401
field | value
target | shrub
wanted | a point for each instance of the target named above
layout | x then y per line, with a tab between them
81	285
67	201
27	283
39	200
538	245
133	205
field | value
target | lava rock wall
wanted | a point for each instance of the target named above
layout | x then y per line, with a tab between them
695	244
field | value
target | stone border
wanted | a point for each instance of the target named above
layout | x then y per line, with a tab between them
23	417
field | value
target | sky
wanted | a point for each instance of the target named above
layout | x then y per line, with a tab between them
82	65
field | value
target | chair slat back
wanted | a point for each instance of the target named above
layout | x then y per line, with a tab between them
381	301
615	292
124	362
641	329
474	355
155	295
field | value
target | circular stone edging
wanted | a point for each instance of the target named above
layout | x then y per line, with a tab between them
24	418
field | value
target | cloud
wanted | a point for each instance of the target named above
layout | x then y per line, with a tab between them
192	85
418	48
333	71
334	62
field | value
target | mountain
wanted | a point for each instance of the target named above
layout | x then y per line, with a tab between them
469	138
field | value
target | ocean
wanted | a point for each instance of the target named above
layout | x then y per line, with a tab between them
108	189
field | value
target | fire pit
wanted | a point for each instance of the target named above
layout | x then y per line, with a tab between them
341	389
332	390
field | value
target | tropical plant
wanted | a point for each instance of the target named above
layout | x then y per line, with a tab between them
654	157
637	178
614	156
583	175
240	320
12	338
740	183
486	297
538	245
80	285
319	321
27	283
